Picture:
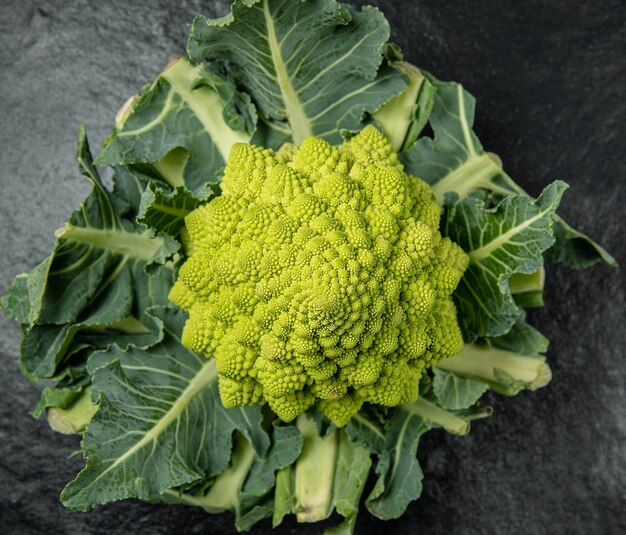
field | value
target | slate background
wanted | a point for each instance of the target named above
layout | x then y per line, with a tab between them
549	80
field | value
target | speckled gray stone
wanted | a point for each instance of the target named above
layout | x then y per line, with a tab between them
549	81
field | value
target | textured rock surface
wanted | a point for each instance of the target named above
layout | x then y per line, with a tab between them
548	77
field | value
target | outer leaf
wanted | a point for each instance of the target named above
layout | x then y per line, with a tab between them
169	429
420	113
575	249
177	111
61	398
454	161
284	494
45	349
523	339
165	211
399	474
351	472
311	67
286	446
245	486
239	112
16	303
91	264
93	287
128	187
454	392
507	239
325	426
366	429
257	501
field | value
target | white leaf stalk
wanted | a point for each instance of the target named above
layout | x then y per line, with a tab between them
499	366
315	472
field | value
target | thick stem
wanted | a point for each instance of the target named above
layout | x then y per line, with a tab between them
315	472
224	493
495	365
436	415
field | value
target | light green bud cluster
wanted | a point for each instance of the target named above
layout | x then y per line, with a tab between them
319	276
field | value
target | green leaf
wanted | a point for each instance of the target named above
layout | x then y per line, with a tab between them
367	429
239	112
59	397
351	472
455	161
286	447
94	256
178	111
399	474
45	349
454	392
169	429
323	423
311	67
284	494
420	114
128	187
575	249
507	239
523	339
164	211
75	417
95	287
245	487
16	303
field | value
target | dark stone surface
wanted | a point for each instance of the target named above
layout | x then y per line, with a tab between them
549	80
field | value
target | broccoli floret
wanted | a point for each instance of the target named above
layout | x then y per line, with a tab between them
319	277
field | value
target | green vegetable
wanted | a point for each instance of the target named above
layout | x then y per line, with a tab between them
320	240
320	278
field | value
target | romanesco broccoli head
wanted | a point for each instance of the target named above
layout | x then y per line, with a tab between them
319	276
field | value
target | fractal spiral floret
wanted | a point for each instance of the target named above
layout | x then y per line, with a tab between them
319	276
